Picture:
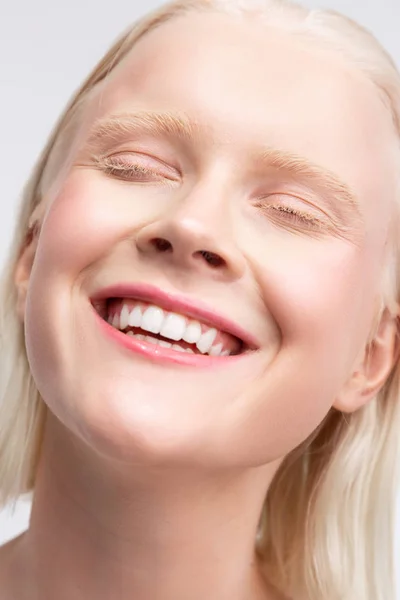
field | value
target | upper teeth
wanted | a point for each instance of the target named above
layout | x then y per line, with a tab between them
170	325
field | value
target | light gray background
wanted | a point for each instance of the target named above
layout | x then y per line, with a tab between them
46	49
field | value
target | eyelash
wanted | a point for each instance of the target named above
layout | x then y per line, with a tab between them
296	216
127	171
118	168
131	172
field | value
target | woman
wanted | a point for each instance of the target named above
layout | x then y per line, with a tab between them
200	318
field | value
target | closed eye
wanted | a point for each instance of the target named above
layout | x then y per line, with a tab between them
296	215
140	171
288	213
134	172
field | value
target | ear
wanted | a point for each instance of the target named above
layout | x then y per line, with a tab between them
23	267
373	368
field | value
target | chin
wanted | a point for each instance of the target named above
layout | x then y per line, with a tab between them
138	428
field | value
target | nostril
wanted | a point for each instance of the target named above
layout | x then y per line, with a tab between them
162	245
213	259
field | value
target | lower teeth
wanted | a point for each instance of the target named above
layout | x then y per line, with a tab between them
157	342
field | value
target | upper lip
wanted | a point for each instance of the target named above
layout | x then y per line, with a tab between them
178	304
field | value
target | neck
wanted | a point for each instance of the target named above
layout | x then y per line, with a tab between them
147	533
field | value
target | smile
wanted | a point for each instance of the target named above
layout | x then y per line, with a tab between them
168	326
167	329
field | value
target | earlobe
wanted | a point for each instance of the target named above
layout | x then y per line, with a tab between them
372	372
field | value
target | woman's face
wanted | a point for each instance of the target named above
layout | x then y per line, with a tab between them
294	263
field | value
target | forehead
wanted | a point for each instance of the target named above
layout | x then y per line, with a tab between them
251	84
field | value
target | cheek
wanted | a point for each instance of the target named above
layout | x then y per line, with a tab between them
321	294
89	216
78	224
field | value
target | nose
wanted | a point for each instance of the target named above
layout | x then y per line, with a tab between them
193	237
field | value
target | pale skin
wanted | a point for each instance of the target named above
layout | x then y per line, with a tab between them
148	490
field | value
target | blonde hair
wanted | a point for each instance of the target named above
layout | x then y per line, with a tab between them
328	521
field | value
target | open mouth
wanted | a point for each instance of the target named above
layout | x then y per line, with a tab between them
155	325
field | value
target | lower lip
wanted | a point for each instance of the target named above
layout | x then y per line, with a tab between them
160	354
